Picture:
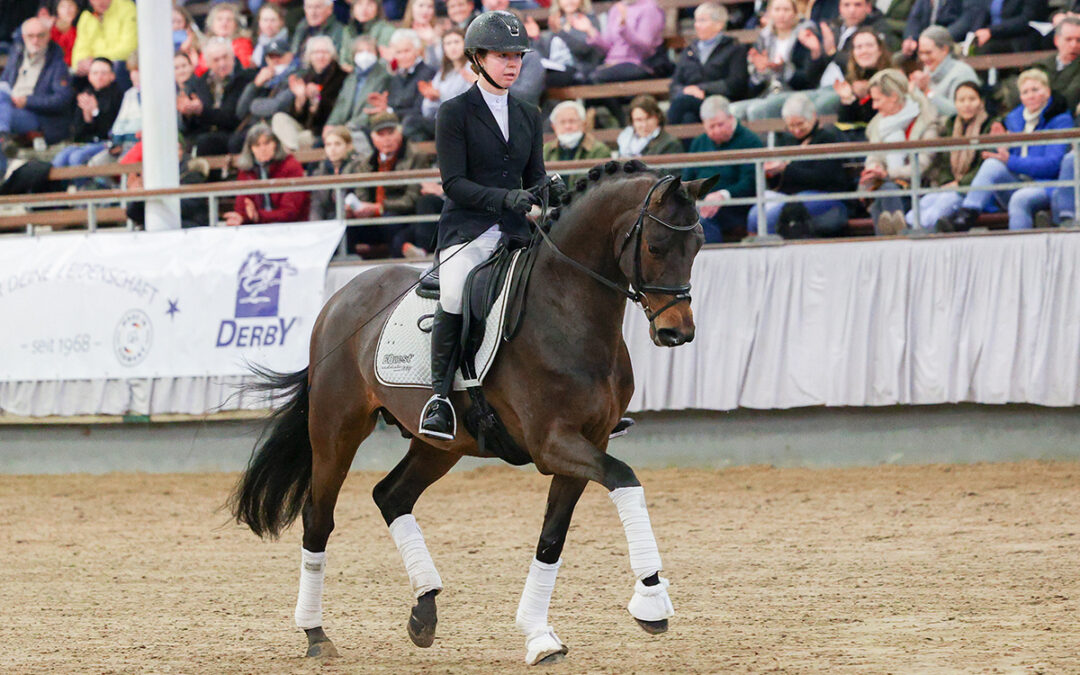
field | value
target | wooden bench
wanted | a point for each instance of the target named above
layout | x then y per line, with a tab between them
62	218
864	227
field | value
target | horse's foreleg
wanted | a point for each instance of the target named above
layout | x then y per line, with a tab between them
541	643
395	495
334	440
572	454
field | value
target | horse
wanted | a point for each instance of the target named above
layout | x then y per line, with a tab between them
559	387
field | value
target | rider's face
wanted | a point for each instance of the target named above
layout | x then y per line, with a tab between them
503	67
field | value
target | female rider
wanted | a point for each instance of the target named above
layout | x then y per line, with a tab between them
489	146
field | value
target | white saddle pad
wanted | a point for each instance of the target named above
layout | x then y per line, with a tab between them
403	358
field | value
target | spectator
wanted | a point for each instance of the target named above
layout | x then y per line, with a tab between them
869	55
902	115
368	77
1039	109
926	13
632	34
571	140
271	23
268	94
98	106
318	20
392	153
723	132
127	127
460	13
224	22
961	165
60	17
835	38
366	19
186	34
646	135
783	59
313	95
1062	200
1063	68
294	12
941	73
341	158
815	218
712	64
1002	26
420	16
264	158
453	79
107	29
567	46
404	99
183	71
896	14
208	113
35	91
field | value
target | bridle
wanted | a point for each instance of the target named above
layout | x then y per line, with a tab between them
639	289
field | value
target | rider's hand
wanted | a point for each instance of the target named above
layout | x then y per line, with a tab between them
520	201
557	190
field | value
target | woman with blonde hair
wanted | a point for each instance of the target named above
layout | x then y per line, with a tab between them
225	21
902	115
1039	109
420	16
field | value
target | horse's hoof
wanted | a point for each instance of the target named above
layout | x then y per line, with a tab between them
653	627
320	646
552	659
422	620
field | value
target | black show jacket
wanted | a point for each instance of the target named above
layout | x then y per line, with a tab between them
479	167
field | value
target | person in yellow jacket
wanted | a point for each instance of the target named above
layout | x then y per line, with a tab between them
107	29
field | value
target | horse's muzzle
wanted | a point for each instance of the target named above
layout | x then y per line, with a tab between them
672	337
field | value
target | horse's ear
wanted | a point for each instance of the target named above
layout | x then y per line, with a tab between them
670	190
697	189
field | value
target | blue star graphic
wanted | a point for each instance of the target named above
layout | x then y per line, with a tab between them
173	308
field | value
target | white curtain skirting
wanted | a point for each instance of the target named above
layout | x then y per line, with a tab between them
986	319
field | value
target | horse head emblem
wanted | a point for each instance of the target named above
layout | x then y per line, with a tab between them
257	284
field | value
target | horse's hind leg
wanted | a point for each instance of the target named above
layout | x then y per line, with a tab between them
395	495
541	643
335	435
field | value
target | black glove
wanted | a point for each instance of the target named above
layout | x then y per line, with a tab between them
557	190
520	201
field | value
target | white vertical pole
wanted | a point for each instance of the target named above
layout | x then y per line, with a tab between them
159	136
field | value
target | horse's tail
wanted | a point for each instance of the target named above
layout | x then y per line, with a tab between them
277	480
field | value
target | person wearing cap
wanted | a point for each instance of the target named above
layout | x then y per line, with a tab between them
489	146
392	153
268	93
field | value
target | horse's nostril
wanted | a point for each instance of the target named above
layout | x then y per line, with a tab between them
669	337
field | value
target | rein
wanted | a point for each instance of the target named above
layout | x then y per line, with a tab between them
638	287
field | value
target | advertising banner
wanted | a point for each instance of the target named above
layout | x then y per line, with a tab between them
204	301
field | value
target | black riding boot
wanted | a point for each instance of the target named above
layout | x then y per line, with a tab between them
438	420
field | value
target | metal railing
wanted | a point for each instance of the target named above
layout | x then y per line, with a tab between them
96	199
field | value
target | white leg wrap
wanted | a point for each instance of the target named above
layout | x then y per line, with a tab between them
644	554
309	600
532	613
423	576
651	603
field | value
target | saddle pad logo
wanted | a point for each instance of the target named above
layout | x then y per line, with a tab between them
258	285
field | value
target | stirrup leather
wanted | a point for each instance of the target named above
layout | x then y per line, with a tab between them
438	433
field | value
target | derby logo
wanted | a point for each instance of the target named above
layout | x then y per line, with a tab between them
259	285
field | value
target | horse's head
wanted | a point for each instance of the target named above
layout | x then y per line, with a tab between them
657	253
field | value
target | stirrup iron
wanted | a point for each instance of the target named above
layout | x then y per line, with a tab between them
436	433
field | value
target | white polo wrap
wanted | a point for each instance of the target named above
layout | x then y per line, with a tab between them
408	538
309	600
644	554
532	612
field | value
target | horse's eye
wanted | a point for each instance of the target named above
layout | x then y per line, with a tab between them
655	250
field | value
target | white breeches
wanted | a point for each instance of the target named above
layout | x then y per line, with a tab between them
460	259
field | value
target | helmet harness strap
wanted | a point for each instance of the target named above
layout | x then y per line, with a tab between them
479	66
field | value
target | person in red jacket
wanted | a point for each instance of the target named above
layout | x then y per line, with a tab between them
263	158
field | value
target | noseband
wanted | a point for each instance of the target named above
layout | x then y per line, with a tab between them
638	287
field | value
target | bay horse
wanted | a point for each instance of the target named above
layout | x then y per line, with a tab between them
559	388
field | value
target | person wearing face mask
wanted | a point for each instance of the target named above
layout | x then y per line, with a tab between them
366	19
489	146
369	76
571	141
268	93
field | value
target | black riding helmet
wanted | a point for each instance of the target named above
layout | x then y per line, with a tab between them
495	31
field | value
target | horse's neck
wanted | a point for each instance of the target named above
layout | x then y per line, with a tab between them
591	314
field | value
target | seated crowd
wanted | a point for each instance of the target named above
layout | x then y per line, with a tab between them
359	84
